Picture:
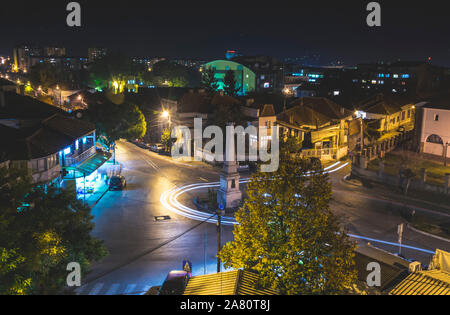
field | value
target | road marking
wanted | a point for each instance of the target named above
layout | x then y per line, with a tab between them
113	290
96	289
204	179
130	288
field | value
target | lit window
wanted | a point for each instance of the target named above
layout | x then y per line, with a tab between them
67	151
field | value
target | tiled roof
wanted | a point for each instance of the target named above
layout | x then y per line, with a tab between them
43	138
71	127
434	282
324	106
236	282
384	104
25	107
268	111
194	103
303	116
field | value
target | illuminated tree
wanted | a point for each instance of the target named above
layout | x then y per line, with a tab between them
116	119
287	233
41	231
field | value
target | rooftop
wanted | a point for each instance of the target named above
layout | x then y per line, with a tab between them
236	282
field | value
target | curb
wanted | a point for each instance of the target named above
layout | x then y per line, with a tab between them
427	234
98	200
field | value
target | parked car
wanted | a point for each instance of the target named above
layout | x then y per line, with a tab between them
117	183
175	283
157	147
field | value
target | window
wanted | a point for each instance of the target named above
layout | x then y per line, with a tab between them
409	113
436	117
435	139
403	115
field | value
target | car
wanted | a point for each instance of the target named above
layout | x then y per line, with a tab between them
175	283
117	183
157	147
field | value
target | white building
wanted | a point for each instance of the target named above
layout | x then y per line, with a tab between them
433	127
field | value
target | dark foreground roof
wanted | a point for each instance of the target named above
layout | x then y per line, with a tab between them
47	137
25	107
236	282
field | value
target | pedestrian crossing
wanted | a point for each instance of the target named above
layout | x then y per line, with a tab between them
113	289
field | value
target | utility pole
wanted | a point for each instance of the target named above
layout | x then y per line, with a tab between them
445	154
362	134
400	238
220	213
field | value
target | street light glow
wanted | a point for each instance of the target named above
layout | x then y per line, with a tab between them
165	114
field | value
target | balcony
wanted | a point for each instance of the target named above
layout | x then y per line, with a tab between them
71	161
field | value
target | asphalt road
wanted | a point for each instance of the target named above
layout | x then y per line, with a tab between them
142	249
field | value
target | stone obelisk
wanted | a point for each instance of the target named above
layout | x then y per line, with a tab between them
229	194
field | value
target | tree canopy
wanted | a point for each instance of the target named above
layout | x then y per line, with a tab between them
287	233
41	231
115	118
230	86
209	81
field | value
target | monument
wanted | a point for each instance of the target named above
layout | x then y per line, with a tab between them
229	194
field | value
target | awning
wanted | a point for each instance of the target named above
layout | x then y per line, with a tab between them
91	164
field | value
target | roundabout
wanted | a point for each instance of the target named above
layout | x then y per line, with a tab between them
170	200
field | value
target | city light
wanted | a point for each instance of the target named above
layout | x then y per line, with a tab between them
165	114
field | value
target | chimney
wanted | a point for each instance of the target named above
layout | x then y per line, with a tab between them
2	98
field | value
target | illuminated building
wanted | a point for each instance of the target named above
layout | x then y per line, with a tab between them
54	51
245	78
96	53
55	149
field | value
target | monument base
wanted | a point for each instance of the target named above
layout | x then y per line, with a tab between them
229	199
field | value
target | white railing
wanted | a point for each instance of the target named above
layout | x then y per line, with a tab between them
70	161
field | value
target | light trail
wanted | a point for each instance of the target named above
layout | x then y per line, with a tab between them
169	200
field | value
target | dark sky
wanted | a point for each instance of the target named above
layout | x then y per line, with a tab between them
335	29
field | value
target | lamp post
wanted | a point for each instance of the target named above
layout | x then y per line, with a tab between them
220	213
445	153
285	93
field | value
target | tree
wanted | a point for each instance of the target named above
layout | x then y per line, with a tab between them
230	86
42	229
209	81
116	120
287	233
166	139
169	73
113	67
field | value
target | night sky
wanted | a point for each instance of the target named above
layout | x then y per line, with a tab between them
337	30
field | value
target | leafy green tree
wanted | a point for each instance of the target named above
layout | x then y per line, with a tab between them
113	67
44	75
115	120
169	73
12	282
287	233
41	231
230	86
166	139
209	81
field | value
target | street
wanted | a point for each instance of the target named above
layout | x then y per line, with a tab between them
146	240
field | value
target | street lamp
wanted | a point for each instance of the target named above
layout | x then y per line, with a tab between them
285	93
